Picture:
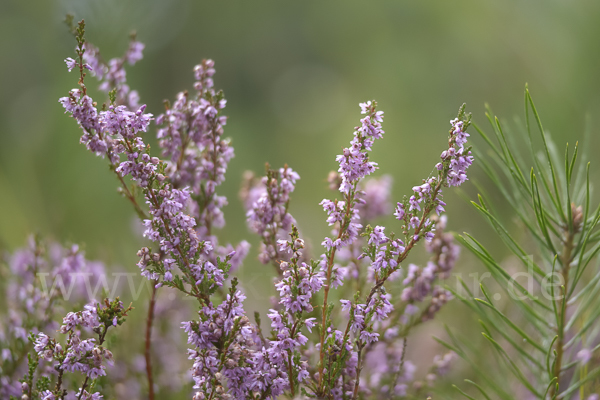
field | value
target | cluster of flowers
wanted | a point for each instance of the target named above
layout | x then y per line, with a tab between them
419	282
267	203
387	371
299	282
231	357
391	375
223	340
127	378
112	74
77	355
196	156
182	242
350	262
385	253
457	156
41	276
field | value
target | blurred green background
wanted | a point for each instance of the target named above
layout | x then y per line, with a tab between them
293	74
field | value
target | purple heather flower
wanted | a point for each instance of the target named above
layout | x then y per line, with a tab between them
134	52
87	396
399	213
47	395
584	356
268	216
70	63
354	162
378	237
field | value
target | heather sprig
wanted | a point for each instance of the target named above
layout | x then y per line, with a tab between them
354	164
268	214
75	355
45	278
232	358
170	226
384	252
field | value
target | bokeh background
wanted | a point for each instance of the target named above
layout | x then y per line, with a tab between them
293	74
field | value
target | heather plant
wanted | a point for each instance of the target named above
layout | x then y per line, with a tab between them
43	280
339	325
539	314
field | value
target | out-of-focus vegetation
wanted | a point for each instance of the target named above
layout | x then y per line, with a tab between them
293	74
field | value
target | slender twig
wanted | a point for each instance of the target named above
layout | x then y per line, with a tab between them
566	261
138	209
401	368
147	352
358	370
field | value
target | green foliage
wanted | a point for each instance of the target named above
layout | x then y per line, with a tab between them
535	330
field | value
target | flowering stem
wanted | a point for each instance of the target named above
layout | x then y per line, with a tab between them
291	371
184	144
208	198
223	351
100	342
200	296
343	227
401	257
147	352
140	212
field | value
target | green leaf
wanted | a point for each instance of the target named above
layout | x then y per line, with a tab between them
513	367
478	388
487	140
590	376
548	369
552	383
477	308
586	212
518	347
458	350
568	191
515	202
551	165
463	393
573	160
506	237
539	212
513	326
502	276
581	266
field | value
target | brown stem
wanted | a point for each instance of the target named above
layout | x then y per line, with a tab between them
562	307
358	371
58	383
140	212
399	373
147	352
